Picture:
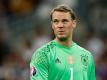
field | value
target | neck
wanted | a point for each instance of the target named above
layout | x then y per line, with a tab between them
66	43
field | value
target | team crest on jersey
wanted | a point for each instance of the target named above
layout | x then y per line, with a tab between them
84	60
33	71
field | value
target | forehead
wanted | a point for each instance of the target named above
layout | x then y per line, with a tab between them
61	15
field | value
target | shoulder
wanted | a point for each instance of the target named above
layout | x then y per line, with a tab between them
45	49
82	50
41	55
85	55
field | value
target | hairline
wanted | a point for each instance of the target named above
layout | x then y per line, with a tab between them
65	9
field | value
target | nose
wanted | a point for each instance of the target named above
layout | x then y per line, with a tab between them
60	25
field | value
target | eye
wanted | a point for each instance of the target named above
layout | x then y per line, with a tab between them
65	21
55	21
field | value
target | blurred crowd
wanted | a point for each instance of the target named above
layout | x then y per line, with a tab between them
25	26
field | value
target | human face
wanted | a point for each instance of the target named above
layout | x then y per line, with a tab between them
62	25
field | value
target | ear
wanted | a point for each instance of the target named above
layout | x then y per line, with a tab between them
74	23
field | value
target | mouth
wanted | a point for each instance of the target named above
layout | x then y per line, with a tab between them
61	32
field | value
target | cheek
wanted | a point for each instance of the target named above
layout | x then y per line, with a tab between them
54	29
69	29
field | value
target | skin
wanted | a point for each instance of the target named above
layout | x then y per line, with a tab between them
63	26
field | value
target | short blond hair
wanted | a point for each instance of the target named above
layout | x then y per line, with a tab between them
63	8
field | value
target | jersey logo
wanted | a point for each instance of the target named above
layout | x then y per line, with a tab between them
33	71
84	60
57	60
70	59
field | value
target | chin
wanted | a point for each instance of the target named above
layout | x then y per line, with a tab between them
62	38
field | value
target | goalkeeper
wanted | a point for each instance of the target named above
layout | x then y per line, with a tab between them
62	58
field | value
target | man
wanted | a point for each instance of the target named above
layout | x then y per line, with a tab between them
61	58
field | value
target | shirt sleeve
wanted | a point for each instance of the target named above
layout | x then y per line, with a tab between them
92	69
39	66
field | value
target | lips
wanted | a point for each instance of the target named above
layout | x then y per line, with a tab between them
61	32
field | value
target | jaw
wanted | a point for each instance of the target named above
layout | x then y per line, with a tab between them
64	37
61	38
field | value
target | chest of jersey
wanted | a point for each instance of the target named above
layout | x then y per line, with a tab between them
67	64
